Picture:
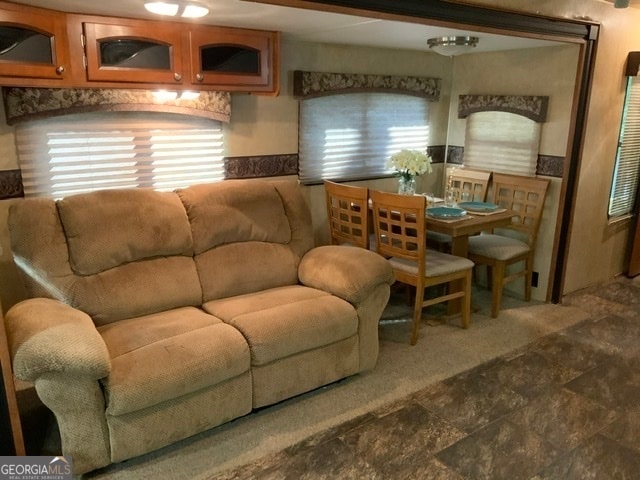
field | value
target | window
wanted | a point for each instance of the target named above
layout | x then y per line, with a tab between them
624	186
502	142
351	136
80	153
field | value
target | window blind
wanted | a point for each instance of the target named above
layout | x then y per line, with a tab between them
80	153
502	142
624	186
351	136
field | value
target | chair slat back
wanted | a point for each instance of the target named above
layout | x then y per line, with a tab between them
399	225
473	182
524	195
348	214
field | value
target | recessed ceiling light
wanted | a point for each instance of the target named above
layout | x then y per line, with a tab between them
194	11
183	9
162	8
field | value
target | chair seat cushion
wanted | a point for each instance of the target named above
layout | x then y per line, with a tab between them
497	246
284	321
437	263
163	356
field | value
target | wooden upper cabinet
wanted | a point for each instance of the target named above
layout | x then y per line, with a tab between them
32	44
234	59
139	53
48	48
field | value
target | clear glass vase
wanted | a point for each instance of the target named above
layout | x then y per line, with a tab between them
407	184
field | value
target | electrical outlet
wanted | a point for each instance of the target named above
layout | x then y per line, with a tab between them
534	279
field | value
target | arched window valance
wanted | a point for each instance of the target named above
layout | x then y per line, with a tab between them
317	84
34	103
532	107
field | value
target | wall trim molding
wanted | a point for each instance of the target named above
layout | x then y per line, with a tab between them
259	166
547	165
11	184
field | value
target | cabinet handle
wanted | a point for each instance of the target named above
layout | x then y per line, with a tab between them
60	70
177	76
199	76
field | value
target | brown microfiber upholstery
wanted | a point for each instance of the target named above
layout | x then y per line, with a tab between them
143	283
172	313
218	215
308	319
331	268
166	355
321	333
145	430
47	336
109	228
304	371
266	222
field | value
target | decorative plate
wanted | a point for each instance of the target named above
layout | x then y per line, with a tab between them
446	212
478	206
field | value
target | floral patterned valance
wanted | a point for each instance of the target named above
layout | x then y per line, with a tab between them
30	103
316	84
533	107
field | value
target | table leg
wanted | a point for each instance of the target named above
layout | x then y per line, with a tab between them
459	247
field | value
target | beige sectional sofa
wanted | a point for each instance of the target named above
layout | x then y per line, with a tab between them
156	315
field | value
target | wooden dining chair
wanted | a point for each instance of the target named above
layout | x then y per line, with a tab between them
399	225
474	183
499	250
460	180
348	214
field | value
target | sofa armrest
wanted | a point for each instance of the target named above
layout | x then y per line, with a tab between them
350	273
48	336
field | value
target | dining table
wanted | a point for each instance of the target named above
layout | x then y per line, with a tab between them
460	229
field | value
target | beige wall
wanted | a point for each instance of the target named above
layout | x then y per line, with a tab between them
263	125
598	249
548	71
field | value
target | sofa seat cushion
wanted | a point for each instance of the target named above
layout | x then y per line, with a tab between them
284	321
163	356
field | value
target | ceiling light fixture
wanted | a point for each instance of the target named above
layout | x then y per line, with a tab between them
450	46
182	9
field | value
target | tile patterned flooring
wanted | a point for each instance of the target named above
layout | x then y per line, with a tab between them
563	408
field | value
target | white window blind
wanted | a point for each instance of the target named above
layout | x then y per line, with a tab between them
502	142
351	136
80	153
624	186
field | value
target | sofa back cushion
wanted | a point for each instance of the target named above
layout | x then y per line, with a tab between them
112	254
247	235
112	227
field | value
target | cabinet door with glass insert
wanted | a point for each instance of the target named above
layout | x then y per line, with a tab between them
32	45
236	59
133	53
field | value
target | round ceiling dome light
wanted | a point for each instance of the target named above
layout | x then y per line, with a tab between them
182	9
450	46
